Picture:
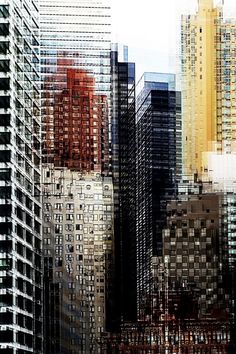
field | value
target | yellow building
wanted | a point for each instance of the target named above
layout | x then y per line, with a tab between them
200	35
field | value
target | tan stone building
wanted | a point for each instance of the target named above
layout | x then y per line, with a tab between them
78	251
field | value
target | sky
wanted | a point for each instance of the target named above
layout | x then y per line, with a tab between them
151	29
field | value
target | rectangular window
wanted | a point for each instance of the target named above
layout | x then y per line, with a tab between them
69	206
46	230
69	227
58	206
58	217
69	237
58	229
70	217
5	155
79	237
79	227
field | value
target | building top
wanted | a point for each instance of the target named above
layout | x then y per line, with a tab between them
122	52
209	3
152	81
205	3
156	81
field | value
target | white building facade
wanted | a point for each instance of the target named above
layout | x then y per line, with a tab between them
20	194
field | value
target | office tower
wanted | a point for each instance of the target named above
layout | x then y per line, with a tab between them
198	253
156	118
228	219
208	84
124	177
20	206
80	30
78	219
78	249
79	33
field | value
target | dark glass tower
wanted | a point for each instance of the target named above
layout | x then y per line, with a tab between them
156	167
124	172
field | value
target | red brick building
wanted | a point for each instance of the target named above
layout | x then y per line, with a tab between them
76	123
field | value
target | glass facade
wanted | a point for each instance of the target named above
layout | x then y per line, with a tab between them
20	191
124	175
156	170
73	35
79	30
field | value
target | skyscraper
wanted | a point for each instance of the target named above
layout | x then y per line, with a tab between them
208	73
78	221
208	84
80	130
20	205
156	168
196	249
78	256
124	180
80	30
79	33
199	99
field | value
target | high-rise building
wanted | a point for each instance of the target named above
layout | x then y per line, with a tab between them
199	98
80	139
124	180
156	169
80	130
196	249
76	83
79	33
208	83
20	204
78	251
79	30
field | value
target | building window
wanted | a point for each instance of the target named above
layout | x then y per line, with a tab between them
70	206
58	229
69	227
70	217
58	217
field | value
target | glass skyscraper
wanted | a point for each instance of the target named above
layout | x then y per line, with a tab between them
124	174
79	32
157	115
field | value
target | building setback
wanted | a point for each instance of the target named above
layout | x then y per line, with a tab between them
20	193
156	122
